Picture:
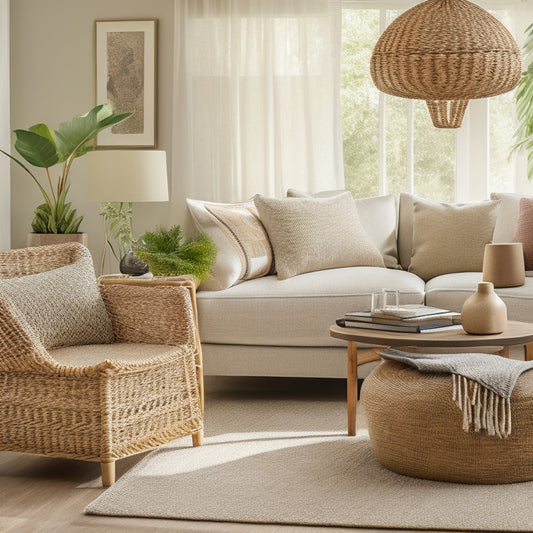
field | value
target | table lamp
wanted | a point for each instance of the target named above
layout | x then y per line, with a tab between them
116	179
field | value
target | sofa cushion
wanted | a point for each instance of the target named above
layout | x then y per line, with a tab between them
507	215
309	234
451	290
297	311
244	250
524	231
379	216
62	306
450	237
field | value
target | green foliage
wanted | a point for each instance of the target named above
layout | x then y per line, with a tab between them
43	147
118	216
62	220
166	255
524	105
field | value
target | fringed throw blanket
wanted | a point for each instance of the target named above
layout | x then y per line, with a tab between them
482	385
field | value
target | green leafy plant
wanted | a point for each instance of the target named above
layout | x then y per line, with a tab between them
43	147
118	216
524	105
166	255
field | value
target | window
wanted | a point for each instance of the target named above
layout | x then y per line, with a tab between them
390	144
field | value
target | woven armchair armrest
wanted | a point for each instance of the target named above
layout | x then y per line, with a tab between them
20	349
158	311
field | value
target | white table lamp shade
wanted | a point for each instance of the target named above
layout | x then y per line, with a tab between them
127	176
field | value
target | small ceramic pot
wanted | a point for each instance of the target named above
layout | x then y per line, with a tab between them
484	313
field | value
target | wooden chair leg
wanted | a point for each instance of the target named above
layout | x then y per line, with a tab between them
198	438
108	473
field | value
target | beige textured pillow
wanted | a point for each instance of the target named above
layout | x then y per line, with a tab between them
524	230
244	250
379	216
450	237
310	234
63	306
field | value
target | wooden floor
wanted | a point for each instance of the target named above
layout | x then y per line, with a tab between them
39	494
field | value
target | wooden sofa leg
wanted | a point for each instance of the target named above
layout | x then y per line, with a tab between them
108	473
198	438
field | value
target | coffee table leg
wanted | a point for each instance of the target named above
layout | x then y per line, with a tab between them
351	393
528	349
504	352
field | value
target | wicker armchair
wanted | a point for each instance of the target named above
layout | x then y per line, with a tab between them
100	402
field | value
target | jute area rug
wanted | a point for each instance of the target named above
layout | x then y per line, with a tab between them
289	461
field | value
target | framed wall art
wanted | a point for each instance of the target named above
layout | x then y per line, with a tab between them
125	67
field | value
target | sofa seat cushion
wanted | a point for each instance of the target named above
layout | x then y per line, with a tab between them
297	311
449	291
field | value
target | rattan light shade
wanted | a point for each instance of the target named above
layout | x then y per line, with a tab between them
446	52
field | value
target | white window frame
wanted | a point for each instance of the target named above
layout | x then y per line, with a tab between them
472	139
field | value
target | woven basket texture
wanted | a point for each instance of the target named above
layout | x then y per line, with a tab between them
416	429
114	408
447	113
446	50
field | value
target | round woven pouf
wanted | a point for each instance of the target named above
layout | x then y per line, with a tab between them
415	429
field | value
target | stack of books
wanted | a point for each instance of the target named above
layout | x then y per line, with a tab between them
406	319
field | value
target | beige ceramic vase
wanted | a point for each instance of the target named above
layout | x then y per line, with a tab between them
484	313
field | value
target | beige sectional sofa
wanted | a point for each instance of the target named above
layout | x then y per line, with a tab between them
253	323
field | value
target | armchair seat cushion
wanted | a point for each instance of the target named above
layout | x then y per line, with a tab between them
93	354
63	306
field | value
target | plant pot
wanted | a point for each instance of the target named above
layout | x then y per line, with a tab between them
44	239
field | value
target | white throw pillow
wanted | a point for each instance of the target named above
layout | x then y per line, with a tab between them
62	306
379	216
450	237
243	248
310	234
507	216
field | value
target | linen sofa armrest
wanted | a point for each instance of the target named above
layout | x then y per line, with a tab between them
157	311
20	348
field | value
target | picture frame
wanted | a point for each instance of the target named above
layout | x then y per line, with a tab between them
125	76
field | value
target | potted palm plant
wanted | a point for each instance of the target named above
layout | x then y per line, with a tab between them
43	147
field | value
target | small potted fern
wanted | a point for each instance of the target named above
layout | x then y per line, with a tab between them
166	254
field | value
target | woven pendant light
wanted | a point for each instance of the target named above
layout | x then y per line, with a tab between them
446	52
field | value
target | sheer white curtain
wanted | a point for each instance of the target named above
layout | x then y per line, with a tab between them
256	105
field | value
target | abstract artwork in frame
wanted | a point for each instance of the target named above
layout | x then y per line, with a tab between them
126	77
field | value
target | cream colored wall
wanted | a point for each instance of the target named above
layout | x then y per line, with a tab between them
52	80
5	232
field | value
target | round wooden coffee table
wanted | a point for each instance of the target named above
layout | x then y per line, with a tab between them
517	333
